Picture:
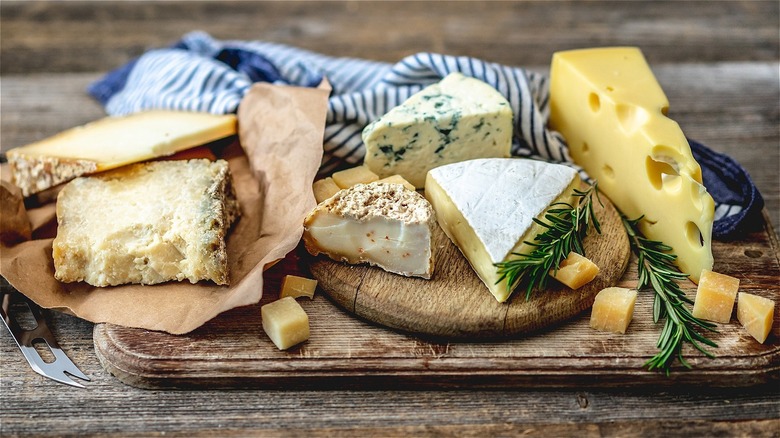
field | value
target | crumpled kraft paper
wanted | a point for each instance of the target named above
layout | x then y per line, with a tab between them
281	130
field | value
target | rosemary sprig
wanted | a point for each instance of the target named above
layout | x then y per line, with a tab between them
566	226
657	271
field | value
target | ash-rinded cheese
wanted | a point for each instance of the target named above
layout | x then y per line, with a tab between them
487	207
146	223
612	112
112	142
385	225
456	119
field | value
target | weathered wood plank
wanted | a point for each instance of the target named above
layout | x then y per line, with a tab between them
37	37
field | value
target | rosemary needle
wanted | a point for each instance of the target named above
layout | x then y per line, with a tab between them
566	226
656	270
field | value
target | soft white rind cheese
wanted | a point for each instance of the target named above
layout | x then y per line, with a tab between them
457	119
385	225
487	207
612	112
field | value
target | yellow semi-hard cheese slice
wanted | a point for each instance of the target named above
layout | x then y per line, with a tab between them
113	142
612	112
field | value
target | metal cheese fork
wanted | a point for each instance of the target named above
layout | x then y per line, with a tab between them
61	368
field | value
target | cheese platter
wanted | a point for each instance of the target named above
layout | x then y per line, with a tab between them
499	223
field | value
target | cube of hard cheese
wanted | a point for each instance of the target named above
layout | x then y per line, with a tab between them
324	189
356	175
613	309
575	271
397	179
294	286
715	296
756	314
285	322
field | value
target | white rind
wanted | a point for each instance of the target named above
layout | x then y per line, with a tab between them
500	197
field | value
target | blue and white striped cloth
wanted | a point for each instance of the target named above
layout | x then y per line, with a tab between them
200	73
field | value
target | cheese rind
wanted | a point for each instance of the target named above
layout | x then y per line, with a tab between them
398	179
456	119
285	322
611	110
385	225
146	223
487	206
112	142
613	309
715	297
756	314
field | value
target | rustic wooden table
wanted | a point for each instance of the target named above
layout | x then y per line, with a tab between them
717	61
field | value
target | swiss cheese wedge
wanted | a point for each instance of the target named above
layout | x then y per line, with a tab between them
612	112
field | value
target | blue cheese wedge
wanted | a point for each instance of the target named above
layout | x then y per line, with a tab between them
457	119
146	223
384	225
487	206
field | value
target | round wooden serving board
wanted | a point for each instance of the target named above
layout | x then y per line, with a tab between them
455	303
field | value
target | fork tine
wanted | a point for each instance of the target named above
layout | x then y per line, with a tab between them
63	378
50	370
64	363
62	367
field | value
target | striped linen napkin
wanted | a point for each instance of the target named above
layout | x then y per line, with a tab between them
201	73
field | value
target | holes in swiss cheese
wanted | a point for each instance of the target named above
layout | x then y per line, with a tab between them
631	117
693	233
662	173
608	171
594	101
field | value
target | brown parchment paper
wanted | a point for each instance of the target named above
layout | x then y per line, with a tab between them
281	130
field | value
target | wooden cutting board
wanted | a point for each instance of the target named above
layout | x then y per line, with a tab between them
455	303
345	351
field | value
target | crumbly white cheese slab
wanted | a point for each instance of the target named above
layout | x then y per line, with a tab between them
456	119
146	223
385	225
487	207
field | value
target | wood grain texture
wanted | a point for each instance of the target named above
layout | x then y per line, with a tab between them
717	62
517	33
454	303
345	352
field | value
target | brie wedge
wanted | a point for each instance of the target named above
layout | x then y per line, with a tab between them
384	225
487	206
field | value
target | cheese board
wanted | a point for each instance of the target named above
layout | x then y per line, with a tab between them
456	304
231	351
